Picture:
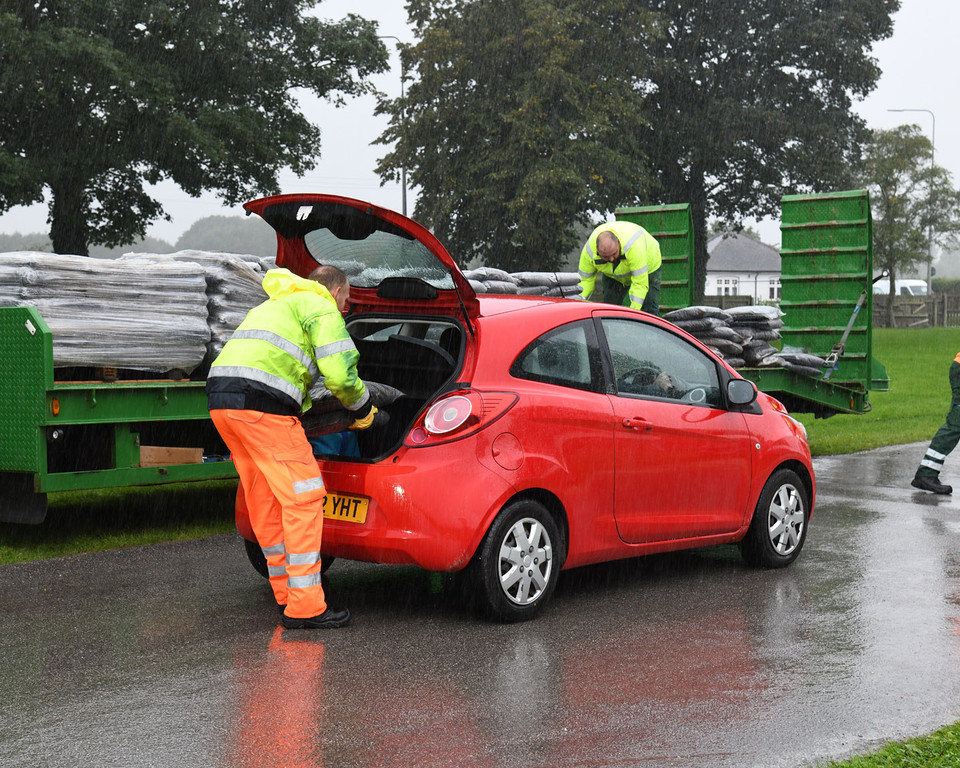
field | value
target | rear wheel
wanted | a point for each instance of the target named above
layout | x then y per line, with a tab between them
518	563
779	525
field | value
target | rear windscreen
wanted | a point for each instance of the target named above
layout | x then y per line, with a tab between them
379	255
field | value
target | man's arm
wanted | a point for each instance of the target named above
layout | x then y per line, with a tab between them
588	273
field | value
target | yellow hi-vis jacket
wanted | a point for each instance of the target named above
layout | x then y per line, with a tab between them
639	256
282	347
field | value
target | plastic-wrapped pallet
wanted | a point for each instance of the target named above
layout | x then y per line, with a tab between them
233	287
134	314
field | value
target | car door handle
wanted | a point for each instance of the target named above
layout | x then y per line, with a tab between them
638	424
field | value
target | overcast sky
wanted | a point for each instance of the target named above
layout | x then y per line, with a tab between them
919	63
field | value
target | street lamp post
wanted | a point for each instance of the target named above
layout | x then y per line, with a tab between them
403	120
933	152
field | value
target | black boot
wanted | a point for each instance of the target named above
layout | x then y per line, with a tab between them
930	483
329	619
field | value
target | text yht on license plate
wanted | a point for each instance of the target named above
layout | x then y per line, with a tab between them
350	508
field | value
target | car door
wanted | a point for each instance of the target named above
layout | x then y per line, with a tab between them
682	460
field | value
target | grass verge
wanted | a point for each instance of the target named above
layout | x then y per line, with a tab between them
941	749
89	521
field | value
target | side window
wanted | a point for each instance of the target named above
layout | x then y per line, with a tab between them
652	362
561	356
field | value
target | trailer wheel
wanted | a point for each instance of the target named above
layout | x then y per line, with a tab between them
779	526
259	562
518	563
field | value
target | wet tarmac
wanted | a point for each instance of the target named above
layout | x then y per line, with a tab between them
171	655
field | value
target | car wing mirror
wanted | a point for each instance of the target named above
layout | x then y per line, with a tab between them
741	392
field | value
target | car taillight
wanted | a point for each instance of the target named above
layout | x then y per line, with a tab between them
457	415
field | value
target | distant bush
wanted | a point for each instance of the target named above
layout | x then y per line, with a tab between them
945	284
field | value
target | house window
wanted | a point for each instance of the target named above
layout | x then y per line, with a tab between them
774	290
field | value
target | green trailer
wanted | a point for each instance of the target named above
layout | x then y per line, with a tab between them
826	281
826	258
672	226
58	435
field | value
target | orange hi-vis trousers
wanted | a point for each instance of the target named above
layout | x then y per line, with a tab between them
284	493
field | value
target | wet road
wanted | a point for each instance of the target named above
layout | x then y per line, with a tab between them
170	654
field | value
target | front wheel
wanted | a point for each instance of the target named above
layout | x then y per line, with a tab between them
518	563
779	525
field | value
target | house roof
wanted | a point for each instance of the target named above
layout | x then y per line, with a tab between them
732	252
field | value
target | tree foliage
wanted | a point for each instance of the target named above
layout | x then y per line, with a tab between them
752	100
527	115
519	122
914	204
100	97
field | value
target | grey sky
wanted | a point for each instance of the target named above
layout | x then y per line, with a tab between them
918	62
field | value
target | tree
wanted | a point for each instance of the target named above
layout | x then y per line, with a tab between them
727	104
100	97
519	124
231	234
914	205
751	100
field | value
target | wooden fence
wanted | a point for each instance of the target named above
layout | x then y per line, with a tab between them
940	309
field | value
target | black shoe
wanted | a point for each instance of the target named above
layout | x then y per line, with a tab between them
932	484
329	619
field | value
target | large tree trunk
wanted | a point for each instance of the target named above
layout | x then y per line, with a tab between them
697	197
68	226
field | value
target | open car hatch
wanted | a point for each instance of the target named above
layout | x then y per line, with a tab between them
392	262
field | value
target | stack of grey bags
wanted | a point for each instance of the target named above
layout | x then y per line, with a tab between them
233	287
744	337
492	280
141	315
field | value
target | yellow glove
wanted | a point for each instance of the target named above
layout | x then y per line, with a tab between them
366	421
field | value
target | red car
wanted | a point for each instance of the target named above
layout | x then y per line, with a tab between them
530	434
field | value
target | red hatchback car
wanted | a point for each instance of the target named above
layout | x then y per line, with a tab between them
528	435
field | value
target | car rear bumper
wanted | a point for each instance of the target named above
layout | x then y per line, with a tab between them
426	506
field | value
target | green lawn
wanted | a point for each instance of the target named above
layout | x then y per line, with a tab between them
917	362
87	521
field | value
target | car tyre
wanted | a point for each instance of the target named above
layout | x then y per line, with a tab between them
518	563
779	526
259	561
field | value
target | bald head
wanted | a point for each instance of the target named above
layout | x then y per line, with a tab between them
608	246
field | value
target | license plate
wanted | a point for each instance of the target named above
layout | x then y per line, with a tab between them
350	508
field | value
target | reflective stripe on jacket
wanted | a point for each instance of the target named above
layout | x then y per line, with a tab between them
640	255
284	345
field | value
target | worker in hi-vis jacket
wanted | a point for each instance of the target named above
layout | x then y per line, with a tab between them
257	389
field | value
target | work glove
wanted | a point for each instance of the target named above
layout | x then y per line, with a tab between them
366	422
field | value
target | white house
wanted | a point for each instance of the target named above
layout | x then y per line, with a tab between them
739	265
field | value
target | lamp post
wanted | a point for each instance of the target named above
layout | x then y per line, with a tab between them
933	151
403	120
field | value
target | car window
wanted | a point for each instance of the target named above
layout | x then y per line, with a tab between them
649	361
561	356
